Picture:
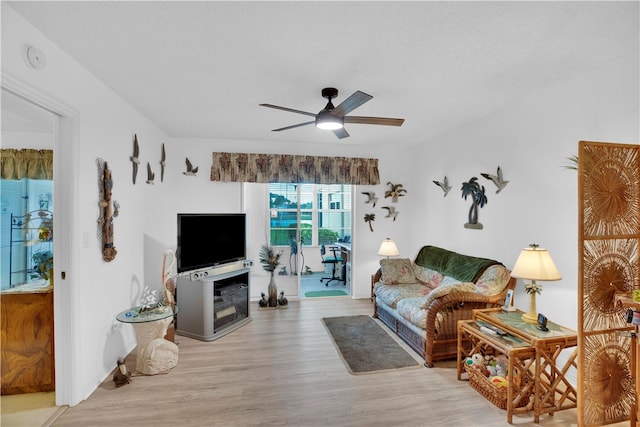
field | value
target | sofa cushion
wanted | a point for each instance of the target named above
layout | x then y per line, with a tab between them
397	271
428	276
391	294
494	279
411	309
462	267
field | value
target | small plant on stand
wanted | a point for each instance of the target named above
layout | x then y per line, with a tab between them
42	264
270	260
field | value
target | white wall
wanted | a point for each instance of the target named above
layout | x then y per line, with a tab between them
87	334
530	141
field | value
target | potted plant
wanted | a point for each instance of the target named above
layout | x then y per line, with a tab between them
270	260
42	265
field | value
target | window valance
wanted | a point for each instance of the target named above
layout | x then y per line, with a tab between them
26	163
285	168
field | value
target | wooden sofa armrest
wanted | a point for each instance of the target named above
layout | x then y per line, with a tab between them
458	297
456	306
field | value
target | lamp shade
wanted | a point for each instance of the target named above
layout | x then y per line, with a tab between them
388	248
535	263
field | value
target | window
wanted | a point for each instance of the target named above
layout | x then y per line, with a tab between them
322	212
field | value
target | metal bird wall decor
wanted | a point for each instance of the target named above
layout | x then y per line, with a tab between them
391	212
497	179
444	184
371	197
135	161
163	158
150	174
191	171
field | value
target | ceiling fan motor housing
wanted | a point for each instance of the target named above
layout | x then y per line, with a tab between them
329	93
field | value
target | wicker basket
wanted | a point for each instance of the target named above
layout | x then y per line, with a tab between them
495	395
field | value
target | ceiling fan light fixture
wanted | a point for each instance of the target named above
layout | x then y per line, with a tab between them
328	121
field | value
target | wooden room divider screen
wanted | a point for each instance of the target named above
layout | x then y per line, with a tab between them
609	244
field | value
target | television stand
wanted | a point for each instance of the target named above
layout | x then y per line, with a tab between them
215	304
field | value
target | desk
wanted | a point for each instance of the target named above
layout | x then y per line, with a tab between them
533	359
154	354
345	254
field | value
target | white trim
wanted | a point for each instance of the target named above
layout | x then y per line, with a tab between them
65	154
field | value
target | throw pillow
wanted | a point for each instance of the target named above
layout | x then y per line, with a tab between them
397	271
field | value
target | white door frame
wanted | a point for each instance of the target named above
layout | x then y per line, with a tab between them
65	149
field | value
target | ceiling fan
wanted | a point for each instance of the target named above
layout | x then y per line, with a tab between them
334	118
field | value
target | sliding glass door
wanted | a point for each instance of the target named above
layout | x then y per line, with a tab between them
303	217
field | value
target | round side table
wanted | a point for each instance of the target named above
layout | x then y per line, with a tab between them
154	354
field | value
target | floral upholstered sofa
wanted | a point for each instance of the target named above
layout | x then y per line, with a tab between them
422	300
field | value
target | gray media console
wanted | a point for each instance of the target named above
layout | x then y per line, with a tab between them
213	302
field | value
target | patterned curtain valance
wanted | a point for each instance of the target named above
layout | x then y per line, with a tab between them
285	168
27	163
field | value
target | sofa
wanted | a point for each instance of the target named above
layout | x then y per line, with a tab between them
423	300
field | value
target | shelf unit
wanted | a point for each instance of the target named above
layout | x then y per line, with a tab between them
33	233
213	302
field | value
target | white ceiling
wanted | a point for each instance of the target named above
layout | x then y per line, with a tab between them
200	69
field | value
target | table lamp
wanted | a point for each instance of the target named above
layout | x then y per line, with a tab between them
534	263
388	248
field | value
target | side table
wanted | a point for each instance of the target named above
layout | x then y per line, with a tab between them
533	356
154	354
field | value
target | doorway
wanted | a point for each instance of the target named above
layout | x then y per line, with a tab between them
303	219
26	255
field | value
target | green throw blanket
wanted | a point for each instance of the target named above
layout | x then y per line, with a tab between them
462	267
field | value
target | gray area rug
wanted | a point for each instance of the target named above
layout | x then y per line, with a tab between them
365	347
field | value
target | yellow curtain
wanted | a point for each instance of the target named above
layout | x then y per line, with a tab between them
285	168
26	163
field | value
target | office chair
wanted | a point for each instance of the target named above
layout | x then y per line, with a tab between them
334	259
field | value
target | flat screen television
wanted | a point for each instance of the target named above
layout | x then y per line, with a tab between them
210	239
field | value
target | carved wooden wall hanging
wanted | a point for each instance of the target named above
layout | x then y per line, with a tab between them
108	211
609	244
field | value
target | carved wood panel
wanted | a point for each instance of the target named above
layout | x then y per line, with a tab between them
609	245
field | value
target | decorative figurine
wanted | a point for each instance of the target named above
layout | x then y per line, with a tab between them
369	218
150	175
395	192
135	161
282	301
163	163
497	179
478	200
106	211
121	376
263	300
371	197
191	171
391	212
444	185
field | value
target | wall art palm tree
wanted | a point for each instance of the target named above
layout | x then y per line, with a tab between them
478	200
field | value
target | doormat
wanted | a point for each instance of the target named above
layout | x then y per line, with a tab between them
327	293
365	347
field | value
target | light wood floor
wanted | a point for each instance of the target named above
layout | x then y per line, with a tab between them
283	370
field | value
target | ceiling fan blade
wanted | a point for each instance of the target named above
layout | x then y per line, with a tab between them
294	126
341	133
291	110
386	121
351	103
